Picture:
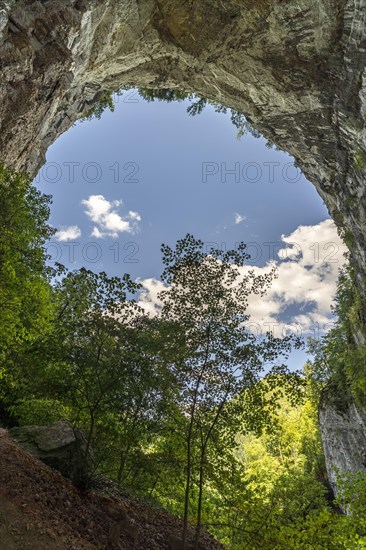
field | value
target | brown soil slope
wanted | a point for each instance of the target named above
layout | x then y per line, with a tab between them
40	510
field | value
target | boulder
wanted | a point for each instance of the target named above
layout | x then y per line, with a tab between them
60	445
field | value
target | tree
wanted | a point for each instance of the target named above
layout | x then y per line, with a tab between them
24	277
142	405
86	353
197	105
98	367
338	363
81	357
104	101
207	296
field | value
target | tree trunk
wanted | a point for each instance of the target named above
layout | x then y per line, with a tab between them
200	499
188	481
90	434
122	463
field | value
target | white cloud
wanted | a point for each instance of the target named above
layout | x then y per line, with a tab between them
96	233
97	207
68	233
304	290
307	279
239	218
148	298
109	223
134	215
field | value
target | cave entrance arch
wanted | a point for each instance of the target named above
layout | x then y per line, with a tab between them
296	72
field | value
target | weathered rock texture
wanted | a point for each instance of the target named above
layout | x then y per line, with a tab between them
344	440
60	446
296	68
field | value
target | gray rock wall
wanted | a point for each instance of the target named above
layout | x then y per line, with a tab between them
344	440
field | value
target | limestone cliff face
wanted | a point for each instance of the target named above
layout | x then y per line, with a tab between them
296	68
344	440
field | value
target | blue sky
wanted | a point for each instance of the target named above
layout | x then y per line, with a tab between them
149	173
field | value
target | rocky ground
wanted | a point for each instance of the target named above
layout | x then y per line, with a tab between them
40	510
